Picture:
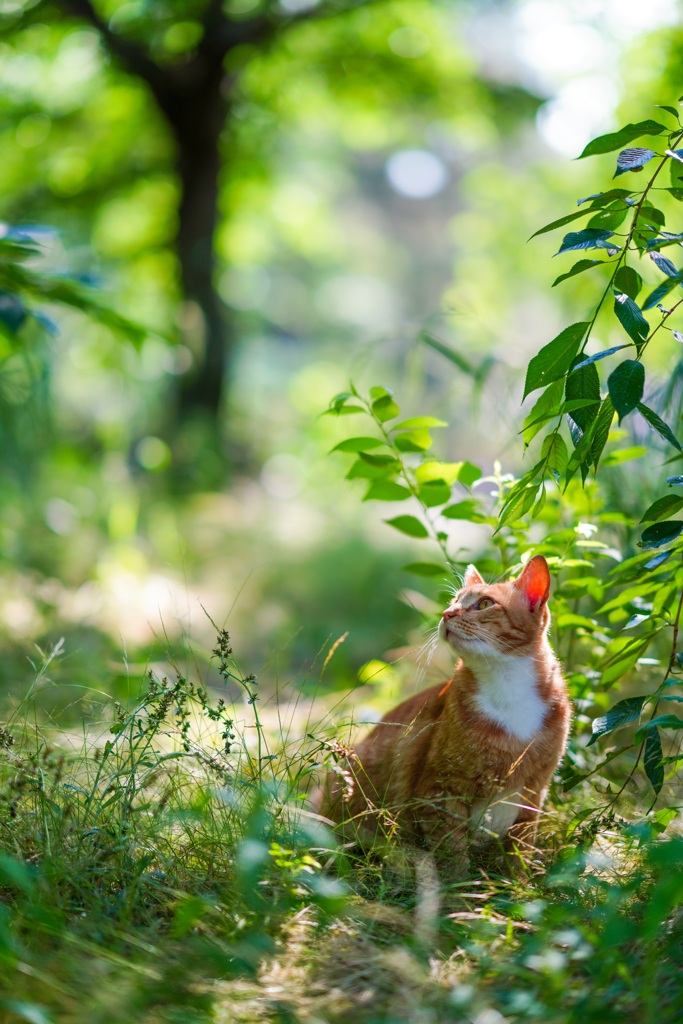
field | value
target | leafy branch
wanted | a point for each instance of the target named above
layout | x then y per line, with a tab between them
570	379
398	465
573	395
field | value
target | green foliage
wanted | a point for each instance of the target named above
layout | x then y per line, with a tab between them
158	857
641	593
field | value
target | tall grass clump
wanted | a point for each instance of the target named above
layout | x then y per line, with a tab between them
140	864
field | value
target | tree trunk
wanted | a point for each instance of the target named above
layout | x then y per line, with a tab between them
194	98
196	118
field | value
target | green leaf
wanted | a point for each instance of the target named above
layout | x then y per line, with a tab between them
661	533
383	405
652	759
625	711
519	504
561	222
621	455
543	409
579	268
409	525
434	492
659	425
434	471
601	428
555	358
540	503
369	467
339	400
469	474
669	110
650	217
581	456
602	198
615	140
345	410
598	356
419	421
413	440
631	319
357	444
386	490
589	238
663	239
660	722
627	596
560	410
583	382
621	663
554	452
662	263
380	461
662	290
658	560
663	722
461	510
450	353
633	159
626	384
676	168
663	508
425	569
629	281
611	217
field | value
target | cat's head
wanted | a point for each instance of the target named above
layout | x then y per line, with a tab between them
499	618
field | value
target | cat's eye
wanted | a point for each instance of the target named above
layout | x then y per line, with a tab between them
486	602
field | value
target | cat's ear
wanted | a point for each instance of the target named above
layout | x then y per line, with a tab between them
534	582
472	577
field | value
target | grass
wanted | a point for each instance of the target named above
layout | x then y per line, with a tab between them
164	868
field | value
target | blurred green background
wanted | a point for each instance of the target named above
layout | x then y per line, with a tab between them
286	196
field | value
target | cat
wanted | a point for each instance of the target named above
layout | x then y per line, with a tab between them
466	765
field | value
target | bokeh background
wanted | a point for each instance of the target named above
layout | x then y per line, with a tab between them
342	192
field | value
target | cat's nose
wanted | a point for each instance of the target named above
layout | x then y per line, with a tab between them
451	613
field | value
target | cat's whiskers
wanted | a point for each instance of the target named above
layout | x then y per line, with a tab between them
497	643
432	634
454	588
426	652
489	637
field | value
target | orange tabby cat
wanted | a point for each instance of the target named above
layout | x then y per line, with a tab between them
469	761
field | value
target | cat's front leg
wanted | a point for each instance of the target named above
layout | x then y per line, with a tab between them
519	843
440	819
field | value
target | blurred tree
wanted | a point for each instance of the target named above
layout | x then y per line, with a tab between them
194	56
194	94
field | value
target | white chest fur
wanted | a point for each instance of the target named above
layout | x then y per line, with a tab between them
508	694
